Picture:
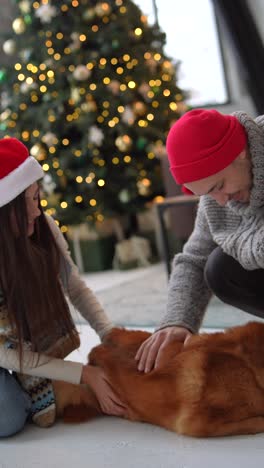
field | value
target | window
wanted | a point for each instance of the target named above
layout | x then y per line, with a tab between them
192	39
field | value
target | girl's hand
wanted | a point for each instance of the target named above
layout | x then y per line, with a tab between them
107	398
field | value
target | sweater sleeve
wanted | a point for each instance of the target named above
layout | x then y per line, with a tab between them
39	365
79	294
188	293
246	243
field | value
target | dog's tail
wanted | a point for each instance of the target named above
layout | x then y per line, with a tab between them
79	413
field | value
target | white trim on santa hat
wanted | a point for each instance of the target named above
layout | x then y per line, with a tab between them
19	180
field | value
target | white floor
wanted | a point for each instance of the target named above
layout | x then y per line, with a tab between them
114	443
101	280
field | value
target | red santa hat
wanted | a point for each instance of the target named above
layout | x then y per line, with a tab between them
18	170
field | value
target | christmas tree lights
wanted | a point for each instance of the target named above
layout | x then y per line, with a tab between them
92	95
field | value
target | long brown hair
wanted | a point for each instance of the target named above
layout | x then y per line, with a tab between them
29	278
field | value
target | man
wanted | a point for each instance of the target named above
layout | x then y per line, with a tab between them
221	159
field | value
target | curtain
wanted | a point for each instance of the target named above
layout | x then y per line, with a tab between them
248	43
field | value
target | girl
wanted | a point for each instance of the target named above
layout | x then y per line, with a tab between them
36	327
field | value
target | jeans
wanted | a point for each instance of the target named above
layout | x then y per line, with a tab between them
15	405
234	285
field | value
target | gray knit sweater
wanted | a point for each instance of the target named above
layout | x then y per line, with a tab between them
237	228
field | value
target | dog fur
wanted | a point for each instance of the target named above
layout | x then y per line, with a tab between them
214	386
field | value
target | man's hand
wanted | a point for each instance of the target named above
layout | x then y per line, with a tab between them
108	400
150	352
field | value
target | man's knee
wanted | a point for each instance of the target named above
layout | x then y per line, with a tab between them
216	272
14	405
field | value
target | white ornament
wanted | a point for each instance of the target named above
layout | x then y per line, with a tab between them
5	115
76	43
89	106
26	87
156	44
49	63
5	100
48	184
95	136
124	196
19	25
24	6
46	13
159	149
50	139
128	116
9	47
25	54
75	95
81	73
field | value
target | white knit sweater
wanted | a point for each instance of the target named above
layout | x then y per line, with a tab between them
237	228
85	302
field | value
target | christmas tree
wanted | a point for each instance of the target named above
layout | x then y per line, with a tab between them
92	95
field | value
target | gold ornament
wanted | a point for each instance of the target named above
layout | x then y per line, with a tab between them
159	149
19	26
102	9
50	139
152	64
38	152
144	187
139	108
89	106
144	88
114	85
123	143
182	107
167	67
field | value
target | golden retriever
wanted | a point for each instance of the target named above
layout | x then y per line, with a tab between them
213	386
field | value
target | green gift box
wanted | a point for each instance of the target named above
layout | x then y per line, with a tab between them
97	254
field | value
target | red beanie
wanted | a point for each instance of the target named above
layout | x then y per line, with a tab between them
18	170
202	143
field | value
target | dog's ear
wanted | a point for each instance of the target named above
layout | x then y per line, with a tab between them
80	413
99	355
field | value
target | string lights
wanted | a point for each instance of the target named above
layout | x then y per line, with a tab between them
93	104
